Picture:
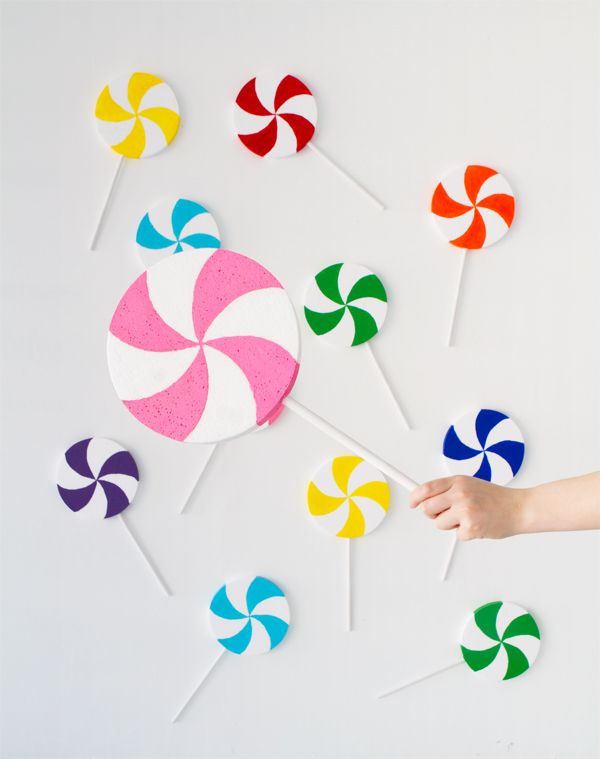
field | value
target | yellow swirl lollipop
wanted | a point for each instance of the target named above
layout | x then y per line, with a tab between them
137	115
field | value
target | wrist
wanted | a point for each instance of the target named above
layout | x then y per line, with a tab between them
525	521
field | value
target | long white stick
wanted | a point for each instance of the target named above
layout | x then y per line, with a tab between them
199	477
197	688
347	442
420	679
106	203
461	267
348	584
387	385
346	176
146	558
449	557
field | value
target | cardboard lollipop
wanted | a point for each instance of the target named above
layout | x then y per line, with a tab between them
346	305
348	498
500	641
204	347
247	616
473	207
486	444
275	116
137	116
97	479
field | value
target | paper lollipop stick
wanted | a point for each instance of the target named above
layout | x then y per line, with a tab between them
500	641
474	207
97	479
275	116
486	444
248	616
346	305
204	347
137	115
348	499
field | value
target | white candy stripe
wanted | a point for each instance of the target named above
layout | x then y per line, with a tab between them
286	142
300	105
465	429
252	314
362	474
495	226
202	223
467	467
529	645
114	132
155	138
495	185
504	430
127	483
226	628
315	300
501	471
249	123
343	333
497	669
160	218
164	280
236	593
348	276
159	96
377	308
333	522
508	611
70	479
452	228
230	407
118	89
99	450
454	184
326	483
474	639
139	374
96	508
260	643
275	606
266	86
372	512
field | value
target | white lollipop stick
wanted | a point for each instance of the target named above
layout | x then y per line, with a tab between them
387	384
347	442
348	586
198	686
420	679
461	267
346	176
106	203
450	556
145	557
199	477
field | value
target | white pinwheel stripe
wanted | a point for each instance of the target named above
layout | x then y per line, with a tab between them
154	370
254	310
363	473
373	306
96	507
164	280
300	105
286	142
125	482
504	430
274	606
98	451
230	405
159	96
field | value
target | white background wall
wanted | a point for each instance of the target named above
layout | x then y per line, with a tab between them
95	659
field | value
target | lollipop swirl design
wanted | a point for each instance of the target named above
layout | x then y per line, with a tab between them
486	444
137	115
203	347
174	226
348	497
275	116
97	477
346	304
249	616
500	641
473	207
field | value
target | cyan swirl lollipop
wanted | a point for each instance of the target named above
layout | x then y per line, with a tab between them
247	616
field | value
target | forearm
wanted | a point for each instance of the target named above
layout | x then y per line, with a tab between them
572	504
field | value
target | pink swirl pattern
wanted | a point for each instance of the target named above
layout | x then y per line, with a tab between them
203	347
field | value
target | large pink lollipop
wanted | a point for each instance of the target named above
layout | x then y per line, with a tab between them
204	347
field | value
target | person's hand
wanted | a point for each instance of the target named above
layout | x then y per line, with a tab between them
474	507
